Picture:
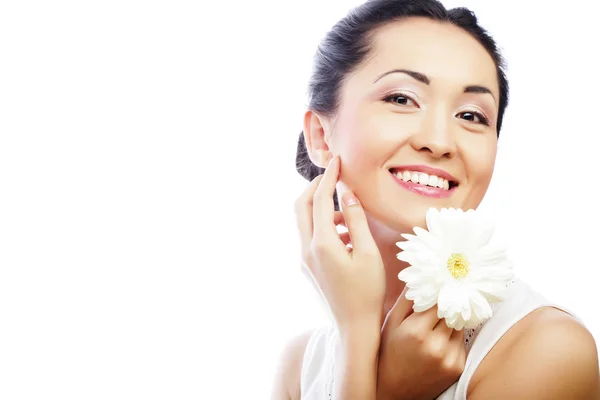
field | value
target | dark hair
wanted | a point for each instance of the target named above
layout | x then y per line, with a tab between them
349	41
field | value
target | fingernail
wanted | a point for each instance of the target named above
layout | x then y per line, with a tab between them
350	199
331	161
342	188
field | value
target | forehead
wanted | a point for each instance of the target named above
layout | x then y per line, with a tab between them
447	54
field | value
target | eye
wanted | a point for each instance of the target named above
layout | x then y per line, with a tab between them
400	99
476	117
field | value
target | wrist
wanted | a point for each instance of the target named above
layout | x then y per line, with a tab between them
360	334
356	360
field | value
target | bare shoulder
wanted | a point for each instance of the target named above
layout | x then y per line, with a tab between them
547	355
287	377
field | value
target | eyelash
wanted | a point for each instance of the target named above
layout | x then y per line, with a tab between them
391	97
482	119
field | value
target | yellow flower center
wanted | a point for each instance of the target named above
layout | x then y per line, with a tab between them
458	265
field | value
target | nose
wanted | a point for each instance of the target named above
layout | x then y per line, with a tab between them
434	136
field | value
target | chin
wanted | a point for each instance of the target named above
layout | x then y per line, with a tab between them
389	226
388	220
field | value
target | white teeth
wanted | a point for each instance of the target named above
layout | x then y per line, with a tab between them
414	176
432	180
423	179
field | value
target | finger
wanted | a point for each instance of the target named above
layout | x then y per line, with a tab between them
458	337
356	221
399	312
323	208
304	212
338	218
442	329
426	320
345	238
441	335
456	353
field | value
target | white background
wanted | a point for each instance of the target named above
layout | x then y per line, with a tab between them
148	246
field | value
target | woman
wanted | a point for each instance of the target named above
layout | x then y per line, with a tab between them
401	89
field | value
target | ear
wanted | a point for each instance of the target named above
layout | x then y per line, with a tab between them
316	133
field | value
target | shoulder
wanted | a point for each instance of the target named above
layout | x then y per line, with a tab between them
287	376
547	355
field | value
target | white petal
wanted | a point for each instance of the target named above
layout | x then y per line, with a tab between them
416	246
406	256
445	300
458	323
425	304
432	219
427	238
484	235
404	245
408	236
451	320
466	313
420	231
422	292
489	254
453	304
452	228
406	273
481	307
414	276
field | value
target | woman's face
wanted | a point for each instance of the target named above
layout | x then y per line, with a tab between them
416	125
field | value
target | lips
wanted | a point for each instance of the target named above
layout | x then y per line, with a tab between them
426	176
426	181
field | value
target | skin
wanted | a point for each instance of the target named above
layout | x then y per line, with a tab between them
371	135
388	120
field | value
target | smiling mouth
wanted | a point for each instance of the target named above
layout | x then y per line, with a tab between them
423	179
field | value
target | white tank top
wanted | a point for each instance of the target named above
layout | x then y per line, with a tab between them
316	381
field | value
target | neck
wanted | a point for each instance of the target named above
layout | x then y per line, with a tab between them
386	239
393	266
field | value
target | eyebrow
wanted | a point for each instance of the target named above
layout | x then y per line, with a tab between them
478	89
415	75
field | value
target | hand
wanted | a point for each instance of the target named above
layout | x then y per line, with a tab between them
419	355
351	280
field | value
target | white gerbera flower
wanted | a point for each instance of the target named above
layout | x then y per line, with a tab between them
455	265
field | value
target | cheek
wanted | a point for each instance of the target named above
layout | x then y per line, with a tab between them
480	163
361	146
359	161
366	139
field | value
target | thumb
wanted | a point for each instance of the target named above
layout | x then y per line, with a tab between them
356	222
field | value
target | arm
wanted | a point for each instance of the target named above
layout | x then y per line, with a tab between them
555	359
287	376
356	363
